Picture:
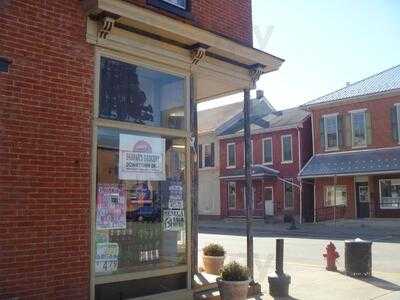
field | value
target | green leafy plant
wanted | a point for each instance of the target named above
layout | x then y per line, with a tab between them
234	272
214	250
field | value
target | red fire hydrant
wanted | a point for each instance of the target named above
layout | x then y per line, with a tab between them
331	255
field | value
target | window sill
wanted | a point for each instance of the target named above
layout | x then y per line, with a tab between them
231	167
176	10
286	162
268	163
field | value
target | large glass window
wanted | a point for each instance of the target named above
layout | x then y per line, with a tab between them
288	195
341	195
139	95
331	132
232	195
267	151
231	155
140	203
389	193
359	129
287	155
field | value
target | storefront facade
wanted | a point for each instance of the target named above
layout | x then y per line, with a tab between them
100	142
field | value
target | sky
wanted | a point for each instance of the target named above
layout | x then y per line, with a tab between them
324	44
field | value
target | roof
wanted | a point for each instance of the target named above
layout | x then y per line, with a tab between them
210	119
278	119
259	107
384	81
363	162
256	171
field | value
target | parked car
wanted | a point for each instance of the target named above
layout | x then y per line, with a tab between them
146	213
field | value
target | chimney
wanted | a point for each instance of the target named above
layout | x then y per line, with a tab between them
260	94
348	83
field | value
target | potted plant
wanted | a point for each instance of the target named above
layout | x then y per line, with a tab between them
213	258
234	282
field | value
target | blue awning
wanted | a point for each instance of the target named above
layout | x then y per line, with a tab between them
363	162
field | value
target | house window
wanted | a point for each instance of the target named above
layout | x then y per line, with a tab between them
209	155
331	132
287	155
177	7
251	154
267	151
231	155
179	3
389	193
200	156
341	195
359	130
288	195
232	195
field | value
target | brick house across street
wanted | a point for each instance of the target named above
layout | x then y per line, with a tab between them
98	139
281	146
356	155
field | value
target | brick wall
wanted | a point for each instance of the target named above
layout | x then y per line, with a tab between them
380	120
286	170
229	18
45	117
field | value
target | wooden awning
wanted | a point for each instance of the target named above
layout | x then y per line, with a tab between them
181	39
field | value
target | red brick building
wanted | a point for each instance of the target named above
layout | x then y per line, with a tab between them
80	81
281	146
356	141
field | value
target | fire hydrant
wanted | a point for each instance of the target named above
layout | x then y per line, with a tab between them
331	255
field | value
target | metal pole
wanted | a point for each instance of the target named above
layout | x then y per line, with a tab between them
334	200
194	179
249	196
301	201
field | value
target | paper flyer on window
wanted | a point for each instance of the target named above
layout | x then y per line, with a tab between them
106	257
111	207
141	158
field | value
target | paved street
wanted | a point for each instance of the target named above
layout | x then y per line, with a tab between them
304	262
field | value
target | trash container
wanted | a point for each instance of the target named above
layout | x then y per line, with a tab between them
358	258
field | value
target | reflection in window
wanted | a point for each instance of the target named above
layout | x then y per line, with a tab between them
390	193
331	132
139	95
140	219
358	128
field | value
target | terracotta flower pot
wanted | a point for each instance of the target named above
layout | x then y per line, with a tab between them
213	264
233	290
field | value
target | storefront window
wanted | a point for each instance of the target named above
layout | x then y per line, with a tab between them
140	202
390	193
139	95
341	196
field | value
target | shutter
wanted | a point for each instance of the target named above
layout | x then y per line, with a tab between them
368	126
200	156
394	121
340	131
347	130
322	133
212	155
